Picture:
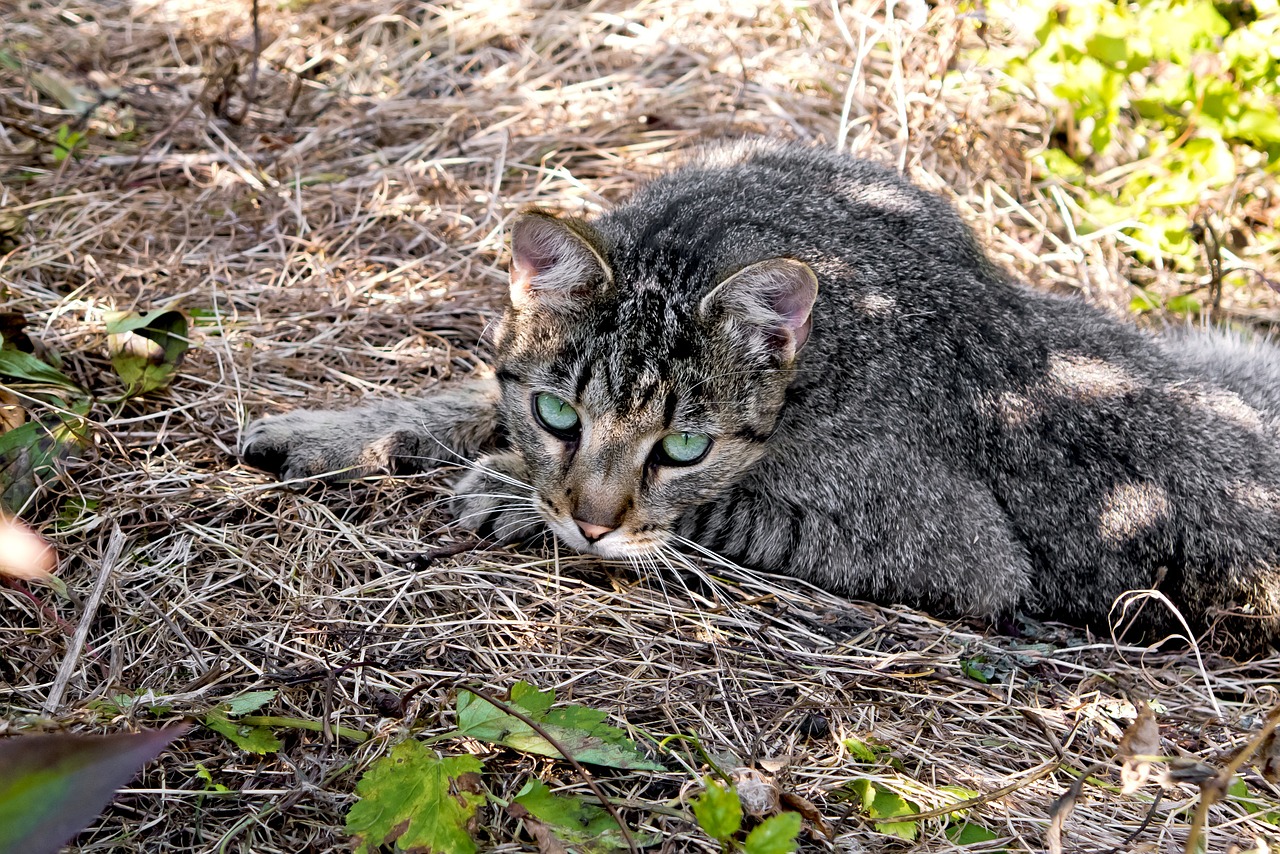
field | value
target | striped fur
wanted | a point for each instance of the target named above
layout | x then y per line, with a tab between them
932	434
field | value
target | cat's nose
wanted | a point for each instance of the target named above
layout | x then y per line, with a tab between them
590	531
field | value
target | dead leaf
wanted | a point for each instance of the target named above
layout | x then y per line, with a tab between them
1184	770
1060	810
12	414
809	812
758	793
1140	742
541	833
68	95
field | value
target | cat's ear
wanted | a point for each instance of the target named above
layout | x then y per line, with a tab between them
771	302
554	263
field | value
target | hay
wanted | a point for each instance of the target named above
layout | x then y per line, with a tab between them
336	210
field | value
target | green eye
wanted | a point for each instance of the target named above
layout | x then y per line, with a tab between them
683	449
555	414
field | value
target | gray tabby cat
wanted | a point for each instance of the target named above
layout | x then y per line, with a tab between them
802	362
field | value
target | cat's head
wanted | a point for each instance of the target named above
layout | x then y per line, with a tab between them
633	398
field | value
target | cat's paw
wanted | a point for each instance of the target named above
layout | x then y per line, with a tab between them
333	445
493	499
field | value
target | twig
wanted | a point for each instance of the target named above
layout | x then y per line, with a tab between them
1062	808
251	87
109	559
1213	789
1146	822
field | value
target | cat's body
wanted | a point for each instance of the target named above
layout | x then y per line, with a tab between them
926	431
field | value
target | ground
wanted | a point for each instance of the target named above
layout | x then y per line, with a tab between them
326	195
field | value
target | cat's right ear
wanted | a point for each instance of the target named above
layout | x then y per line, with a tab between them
768	306
554	263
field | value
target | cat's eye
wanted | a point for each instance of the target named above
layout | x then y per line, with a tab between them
556	415
683	449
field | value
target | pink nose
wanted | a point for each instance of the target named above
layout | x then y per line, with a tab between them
591	532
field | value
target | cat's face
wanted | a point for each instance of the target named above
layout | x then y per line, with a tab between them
634	402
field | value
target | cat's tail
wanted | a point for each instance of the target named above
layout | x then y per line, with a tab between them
1247	365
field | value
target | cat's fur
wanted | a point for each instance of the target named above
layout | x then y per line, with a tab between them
927	431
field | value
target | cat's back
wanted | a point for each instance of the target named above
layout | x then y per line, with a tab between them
731	204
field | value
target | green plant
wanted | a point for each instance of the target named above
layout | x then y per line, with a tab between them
1160	106
719	813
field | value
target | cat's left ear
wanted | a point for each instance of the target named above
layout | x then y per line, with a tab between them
554	262
770	301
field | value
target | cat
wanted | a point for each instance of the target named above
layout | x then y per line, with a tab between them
802	362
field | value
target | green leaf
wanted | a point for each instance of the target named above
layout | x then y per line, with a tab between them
1258	126
15	364
581	730
969	833
718	810
248	702
776	835
210	786
33	451
879	802
1183	304
66	142
146	349
54	785
530	699
575	821
864	751
1142	302
1110	50
254	739
1239	792
1178	31
412	798
1059	164
979	670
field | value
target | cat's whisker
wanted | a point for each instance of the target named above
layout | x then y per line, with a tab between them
499	510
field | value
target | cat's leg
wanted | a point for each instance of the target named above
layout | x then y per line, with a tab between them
495	500
445	426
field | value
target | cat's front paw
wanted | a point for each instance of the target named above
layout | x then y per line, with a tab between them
493	499
333	445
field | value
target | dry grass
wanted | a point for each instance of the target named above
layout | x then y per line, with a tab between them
338	216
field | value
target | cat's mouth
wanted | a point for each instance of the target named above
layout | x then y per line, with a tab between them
620	543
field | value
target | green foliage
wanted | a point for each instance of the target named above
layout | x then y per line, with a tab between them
882	804
587	827
775	835
416	800
209	785
66	142
968	833
146	349
866	752
54	785
16	364
1183	98
979	670
582	731
1238	792
718	811
254	739
32	449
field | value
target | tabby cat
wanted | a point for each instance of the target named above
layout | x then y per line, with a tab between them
803	363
